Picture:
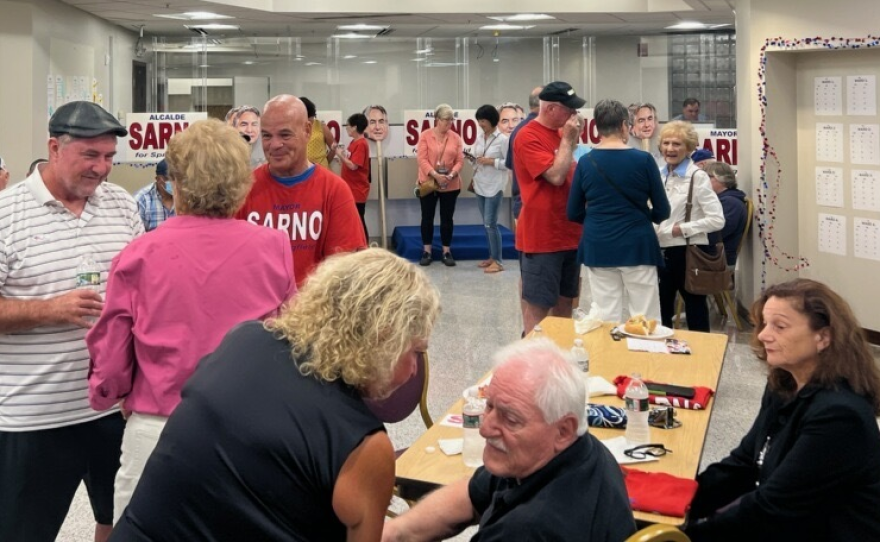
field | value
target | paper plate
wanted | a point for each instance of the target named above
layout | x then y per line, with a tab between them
660	332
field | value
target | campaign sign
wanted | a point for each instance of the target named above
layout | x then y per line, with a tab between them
148	134
722	143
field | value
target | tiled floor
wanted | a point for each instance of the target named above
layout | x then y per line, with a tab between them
480	313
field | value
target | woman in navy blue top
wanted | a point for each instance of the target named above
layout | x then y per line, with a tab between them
609	196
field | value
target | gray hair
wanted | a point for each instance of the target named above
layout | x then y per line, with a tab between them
444	111
723	173
377	107
534	101
561	392
609	116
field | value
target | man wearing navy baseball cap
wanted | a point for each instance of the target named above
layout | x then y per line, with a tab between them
62	226
547	240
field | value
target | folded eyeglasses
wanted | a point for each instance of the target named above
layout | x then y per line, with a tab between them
644	450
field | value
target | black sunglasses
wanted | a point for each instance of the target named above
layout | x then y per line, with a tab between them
644	450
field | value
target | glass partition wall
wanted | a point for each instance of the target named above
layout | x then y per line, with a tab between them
198	74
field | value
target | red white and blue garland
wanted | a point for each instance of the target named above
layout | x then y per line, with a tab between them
765	210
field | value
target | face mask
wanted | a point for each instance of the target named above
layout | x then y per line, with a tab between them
168	188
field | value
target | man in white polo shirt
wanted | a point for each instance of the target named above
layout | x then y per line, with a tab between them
64	214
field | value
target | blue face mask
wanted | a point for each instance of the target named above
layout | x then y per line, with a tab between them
169	188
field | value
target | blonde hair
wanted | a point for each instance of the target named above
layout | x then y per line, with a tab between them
681	130
357	315
210	165
444	111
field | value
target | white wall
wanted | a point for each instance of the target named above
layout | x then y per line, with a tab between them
27	31
619	70
758	21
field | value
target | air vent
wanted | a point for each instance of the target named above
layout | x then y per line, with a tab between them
385	31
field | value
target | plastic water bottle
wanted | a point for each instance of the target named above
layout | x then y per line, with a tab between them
636	399
88	273
537	332
472	449
582	358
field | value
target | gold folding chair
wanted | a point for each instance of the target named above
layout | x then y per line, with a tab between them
659	533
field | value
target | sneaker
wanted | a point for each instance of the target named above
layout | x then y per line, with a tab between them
426	259
447	259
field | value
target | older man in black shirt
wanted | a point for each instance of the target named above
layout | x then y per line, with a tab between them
544	477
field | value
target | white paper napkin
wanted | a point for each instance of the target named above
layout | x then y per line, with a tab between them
451	446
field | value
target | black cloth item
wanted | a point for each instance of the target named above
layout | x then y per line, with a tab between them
252	452
819	479
579	495
735	216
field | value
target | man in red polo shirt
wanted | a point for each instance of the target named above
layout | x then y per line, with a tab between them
547	240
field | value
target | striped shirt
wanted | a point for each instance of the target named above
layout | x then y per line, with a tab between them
43	371
153	211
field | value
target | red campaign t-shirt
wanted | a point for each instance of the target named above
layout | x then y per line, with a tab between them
318	215
358	179
542	226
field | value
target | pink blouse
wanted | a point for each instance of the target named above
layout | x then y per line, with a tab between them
429	154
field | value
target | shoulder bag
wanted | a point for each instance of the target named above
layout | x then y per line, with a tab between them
470	187
705	274
430	185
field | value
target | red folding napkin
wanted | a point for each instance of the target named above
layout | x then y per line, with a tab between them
658	492
699	402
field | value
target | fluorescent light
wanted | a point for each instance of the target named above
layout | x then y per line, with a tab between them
714	26
213	26
369	62
505	27
248	62
351	36
523	17
427	51
418	59
193	16
313	63
349	57
375	27
687	25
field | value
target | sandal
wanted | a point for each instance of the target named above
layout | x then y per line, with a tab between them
485	263
494	267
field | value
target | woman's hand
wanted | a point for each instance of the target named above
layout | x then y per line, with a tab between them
676	230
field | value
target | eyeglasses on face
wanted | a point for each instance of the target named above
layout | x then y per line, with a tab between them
644	450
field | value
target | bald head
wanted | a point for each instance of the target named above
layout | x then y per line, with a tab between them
534	102
285	132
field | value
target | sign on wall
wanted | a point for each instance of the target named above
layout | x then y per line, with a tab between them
148	134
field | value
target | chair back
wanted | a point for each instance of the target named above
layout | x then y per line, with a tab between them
659	533
400	404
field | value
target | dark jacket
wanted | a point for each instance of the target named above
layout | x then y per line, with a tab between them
809	469
734	206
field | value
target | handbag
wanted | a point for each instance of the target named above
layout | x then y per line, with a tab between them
705	274
431	185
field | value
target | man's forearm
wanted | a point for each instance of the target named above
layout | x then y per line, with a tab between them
558	172
443	513
21	315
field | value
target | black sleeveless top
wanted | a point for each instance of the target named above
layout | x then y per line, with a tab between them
252	452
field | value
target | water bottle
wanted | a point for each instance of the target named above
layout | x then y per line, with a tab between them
472	450
88	273
582	358
537	332
636	399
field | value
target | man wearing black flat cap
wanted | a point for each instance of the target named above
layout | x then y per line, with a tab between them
547	240
59	230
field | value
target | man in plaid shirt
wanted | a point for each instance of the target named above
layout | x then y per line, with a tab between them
156	201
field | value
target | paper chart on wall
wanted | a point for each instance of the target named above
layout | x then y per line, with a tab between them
866	238
832	234
866	190
829	186
861	95
864	144
829	142
828	96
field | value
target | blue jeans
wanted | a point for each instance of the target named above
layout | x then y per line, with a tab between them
489	211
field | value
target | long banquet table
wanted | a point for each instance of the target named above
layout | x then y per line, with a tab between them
420	469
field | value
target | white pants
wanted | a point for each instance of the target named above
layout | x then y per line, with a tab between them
141	435
639	282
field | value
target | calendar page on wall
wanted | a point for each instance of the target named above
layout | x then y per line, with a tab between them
838	173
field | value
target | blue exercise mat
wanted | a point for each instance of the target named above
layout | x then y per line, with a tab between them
468	243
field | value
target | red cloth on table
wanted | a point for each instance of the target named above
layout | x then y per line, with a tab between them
699	402
658	492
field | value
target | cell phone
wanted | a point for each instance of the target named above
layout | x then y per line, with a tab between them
469	156
670	389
